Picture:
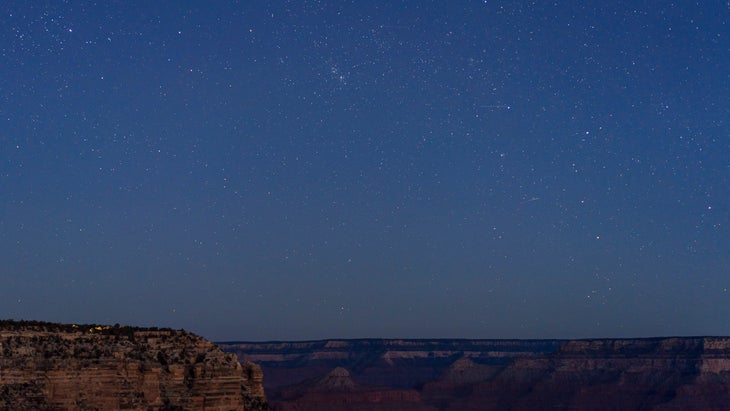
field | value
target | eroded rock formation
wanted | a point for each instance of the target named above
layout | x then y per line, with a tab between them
57	367
450	375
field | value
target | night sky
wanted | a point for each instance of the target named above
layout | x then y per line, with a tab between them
417	169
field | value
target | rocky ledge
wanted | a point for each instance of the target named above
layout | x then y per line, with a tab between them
45	366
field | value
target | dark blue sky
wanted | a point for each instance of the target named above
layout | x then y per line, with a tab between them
299	170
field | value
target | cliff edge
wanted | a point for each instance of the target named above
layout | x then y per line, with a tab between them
45	366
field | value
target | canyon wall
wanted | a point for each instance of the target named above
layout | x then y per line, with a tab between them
57	367
690	373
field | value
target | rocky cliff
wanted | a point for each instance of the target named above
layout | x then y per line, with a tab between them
602	374
57	367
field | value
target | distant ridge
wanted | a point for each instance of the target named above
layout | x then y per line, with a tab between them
647	373
451	340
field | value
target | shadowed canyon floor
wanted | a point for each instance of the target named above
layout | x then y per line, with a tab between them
602	374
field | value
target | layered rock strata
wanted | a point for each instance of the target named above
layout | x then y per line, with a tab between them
57	367
691	373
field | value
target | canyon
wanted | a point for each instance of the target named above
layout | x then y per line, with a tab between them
54	367
683	373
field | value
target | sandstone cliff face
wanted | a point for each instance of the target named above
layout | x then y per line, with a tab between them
605	374
66	367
